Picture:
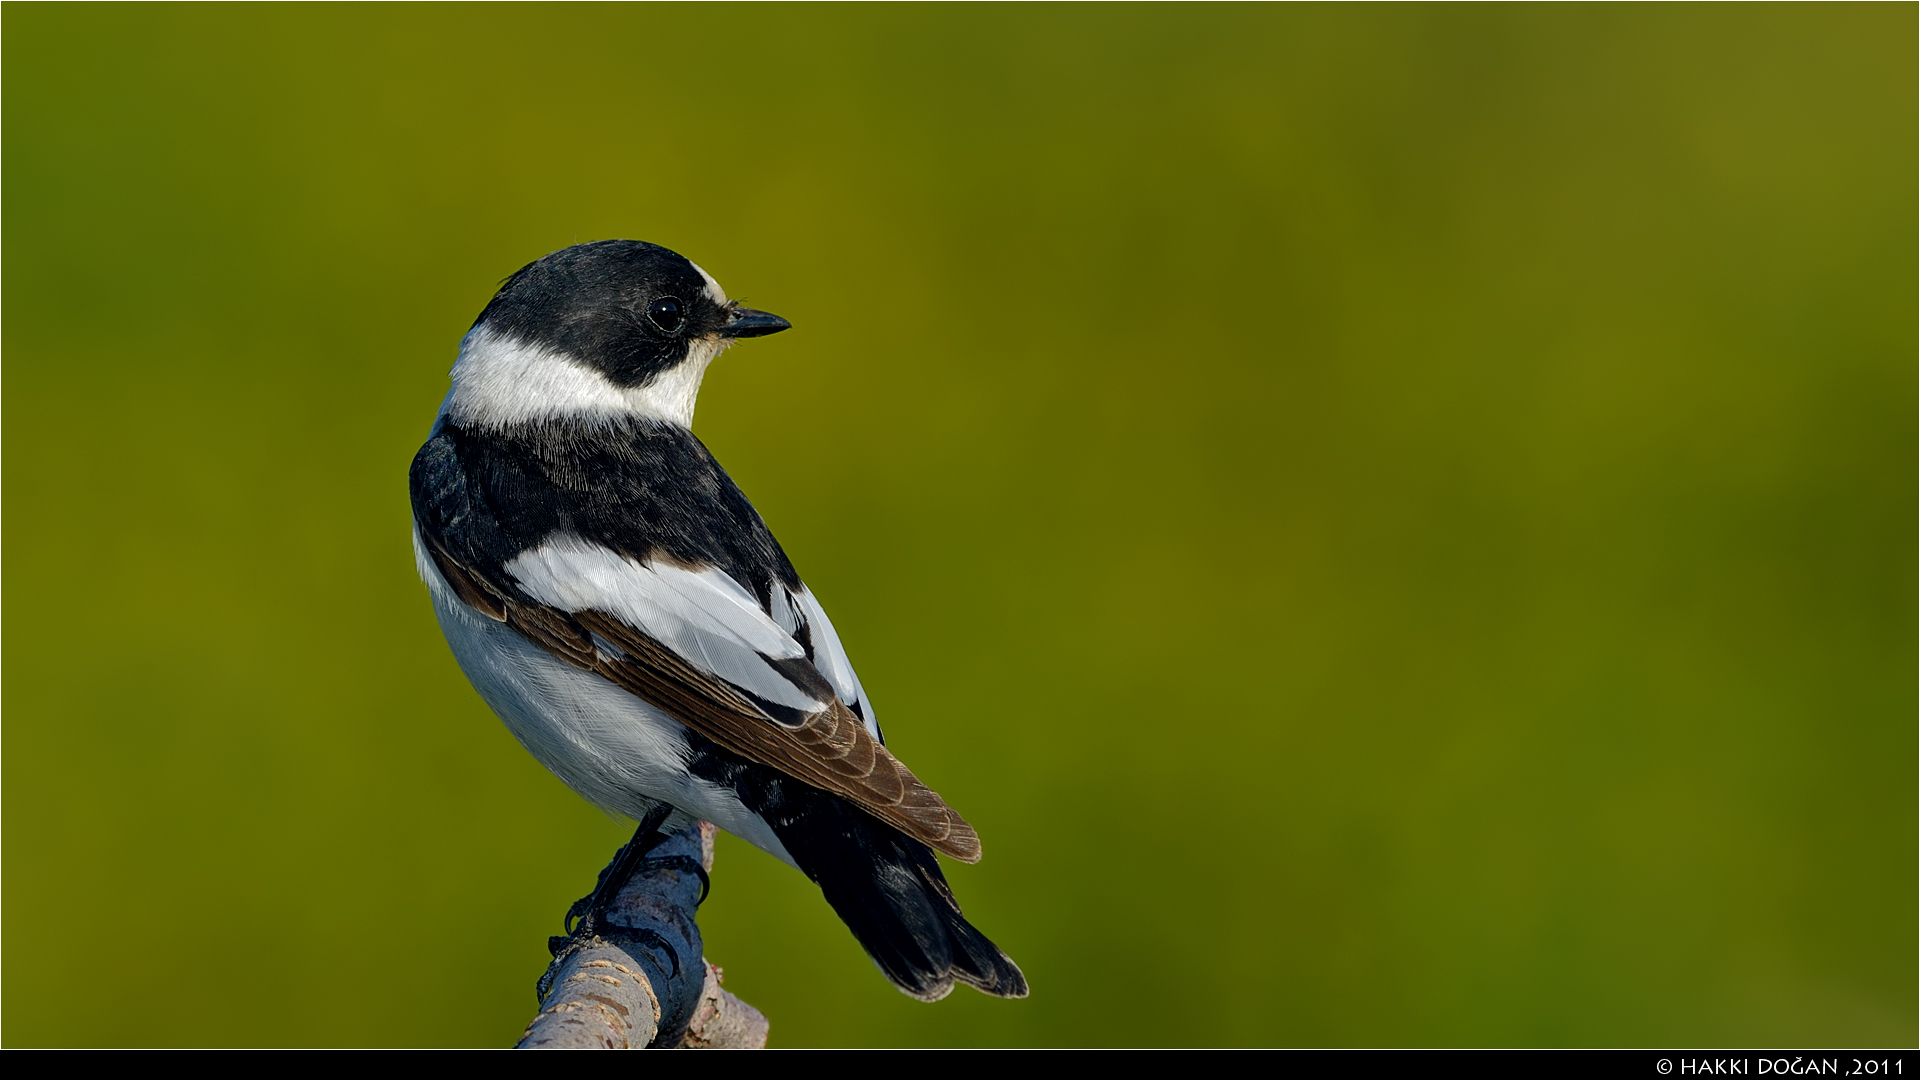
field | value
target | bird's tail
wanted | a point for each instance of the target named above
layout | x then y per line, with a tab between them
888	889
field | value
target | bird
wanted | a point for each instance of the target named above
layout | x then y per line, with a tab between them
613	596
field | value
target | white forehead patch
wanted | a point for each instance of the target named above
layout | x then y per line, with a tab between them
714	292
500	381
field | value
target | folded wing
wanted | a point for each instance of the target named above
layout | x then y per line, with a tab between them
773	686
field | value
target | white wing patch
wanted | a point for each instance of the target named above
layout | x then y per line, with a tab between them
705	616
783	613
831	658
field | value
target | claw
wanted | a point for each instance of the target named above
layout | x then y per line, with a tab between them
577	911
655	941
686	866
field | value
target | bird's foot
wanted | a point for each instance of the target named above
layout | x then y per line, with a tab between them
580	908
591	909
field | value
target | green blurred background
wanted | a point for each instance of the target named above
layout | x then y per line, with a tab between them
1398	524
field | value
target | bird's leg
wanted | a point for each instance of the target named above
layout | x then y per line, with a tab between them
665	862
615	877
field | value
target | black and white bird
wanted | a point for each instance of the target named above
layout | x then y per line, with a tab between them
618	602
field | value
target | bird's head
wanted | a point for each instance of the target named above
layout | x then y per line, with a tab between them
596	331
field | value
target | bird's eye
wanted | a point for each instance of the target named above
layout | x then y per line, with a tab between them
667	314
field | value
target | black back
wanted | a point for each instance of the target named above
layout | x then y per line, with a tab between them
640	487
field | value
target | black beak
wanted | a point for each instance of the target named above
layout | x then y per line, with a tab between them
746	322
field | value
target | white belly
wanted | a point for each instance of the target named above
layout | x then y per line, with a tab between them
618	752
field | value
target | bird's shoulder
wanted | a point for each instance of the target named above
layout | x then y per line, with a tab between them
645	490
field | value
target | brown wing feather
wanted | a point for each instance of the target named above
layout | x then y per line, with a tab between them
467	585
831	749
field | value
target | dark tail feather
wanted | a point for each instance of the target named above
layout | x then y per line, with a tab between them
888	889
885	885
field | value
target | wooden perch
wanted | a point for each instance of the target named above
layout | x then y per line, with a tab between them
621	989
